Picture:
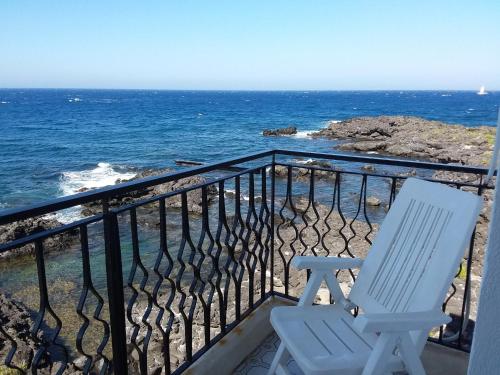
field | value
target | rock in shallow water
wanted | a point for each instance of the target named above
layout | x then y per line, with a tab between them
305	173
291	130
23	228
373	201
368	168
194	197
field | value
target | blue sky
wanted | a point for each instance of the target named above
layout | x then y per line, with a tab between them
251	44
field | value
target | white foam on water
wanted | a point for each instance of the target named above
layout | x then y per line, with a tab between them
307	161
73	182
307	133
103	175
303	134
4	102
232	191
72	100
104	100
243	197
445	94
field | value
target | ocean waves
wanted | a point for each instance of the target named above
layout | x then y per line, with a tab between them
73	182
51	147
104	174
307	133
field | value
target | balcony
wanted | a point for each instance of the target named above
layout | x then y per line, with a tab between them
177	272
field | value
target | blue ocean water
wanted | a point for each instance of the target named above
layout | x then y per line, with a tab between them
53	142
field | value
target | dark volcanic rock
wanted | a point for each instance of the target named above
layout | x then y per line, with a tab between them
291	130
194	197
368	168
23	228
16	321
373	201
303	173
364	146
413	137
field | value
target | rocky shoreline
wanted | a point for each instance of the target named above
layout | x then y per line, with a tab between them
17	321
194	197
417	138
400	136
63	241
413	137
23	228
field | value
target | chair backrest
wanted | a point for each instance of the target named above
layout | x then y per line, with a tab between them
417	251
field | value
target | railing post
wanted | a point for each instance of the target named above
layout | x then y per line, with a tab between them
273	192
116	300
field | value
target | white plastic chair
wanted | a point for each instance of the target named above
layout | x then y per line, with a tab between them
400	289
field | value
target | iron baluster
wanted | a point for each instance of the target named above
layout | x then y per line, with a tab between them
89	286
116	300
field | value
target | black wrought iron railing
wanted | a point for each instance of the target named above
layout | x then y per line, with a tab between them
158	270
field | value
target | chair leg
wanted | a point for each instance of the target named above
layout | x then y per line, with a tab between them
377	362
280	358
410	356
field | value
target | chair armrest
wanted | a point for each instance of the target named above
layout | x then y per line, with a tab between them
325	263
400	322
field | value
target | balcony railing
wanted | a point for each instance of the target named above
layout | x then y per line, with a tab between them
150	282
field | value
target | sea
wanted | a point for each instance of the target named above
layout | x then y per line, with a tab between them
54	142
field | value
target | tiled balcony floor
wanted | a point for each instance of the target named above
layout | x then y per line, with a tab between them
260	360
438	360
235	354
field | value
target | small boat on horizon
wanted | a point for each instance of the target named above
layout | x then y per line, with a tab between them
482	91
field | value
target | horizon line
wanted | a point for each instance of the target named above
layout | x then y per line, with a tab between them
236	90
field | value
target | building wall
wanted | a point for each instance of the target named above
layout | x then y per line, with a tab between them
485	354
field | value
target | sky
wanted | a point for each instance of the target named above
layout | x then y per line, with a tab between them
250	44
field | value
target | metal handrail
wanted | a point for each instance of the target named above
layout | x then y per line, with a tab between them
105	193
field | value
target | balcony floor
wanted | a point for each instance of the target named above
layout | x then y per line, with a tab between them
249	350
438	360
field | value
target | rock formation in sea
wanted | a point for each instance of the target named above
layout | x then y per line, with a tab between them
194	197
326	170
291	130
63	241
23	228
413	137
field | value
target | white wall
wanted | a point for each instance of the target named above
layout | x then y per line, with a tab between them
485	354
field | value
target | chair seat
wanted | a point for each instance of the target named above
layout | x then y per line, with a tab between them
322	340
